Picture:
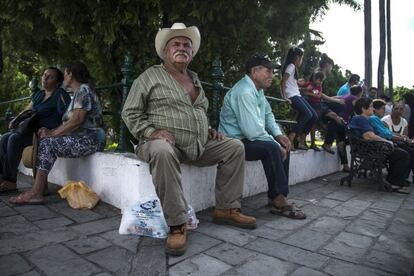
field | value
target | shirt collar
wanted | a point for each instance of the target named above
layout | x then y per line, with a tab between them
193	75
253	86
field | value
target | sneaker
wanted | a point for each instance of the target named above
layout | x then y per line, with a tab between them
234	217
176	244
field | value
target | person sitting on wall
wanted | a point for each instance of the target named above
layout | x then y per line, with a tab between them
337	131
246	115
80	134
50	103
289	90
315	95
166	110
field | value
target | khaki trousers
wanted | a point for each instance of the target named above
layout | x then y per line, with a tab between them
165	159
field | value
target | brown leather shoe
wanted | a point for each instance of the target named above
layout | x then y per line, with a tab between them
233	217
176	244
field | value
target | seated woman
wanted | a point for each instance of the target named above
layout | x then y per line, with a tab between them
50	104
361	127
399	140
80	134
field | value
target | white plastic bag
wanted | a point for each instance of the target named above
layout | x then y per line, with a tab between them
192	222
144	218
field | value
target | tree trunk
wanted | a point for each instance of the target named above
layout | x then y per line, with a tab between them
389	51
368	43
1	51
381	60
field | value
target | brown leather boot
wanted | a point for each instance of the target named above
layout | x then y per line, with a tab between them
177	240
233	217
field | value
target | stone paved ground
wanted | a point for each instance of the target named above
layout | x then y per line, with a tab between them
349	231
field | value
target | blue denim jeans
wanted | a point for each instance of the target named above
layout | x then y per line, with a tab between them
307	116
276	170
11	148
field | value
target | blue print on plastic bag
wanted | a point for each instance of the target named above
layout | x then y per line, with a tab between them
144	218
149	205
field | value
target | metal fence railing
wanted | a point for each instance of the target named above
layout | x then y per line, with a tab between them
216	89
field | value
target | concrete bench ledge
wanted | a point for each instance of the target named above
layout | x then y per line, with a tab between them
121	178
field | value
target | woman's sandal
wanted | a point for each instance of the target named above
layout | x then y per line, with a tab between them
289	211
21	200
7	187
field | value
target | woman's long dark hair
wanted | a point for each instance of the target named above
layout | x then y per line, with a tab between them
290	58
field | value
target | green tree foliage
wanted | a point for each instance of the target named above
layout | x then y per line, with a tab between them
15	87
100	32
399	93
40	33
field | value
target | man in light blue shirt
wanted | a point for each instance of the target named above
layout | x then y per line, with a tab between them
246	115
346	88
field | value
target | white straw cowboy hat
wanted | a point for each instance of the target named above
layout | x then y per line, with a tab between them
177	29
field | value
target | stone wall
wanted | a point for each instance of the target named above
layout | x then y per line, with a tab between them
121	179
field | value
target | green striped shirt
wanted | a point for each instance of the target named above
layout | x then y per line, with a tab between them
157	101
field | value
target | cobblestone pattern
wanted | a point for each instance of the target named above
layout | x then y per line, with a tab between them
349	231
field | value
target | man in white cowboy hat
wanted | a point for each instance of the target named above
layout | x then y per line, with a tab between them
166	110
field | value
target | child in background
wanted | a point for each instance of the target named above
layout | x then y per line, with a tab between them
313	91
307	116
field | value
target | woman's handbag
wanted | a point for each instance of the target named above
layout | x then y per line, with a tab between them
25	123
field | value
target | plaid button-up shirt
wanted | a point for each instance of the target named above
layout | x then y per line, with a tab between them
157	101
